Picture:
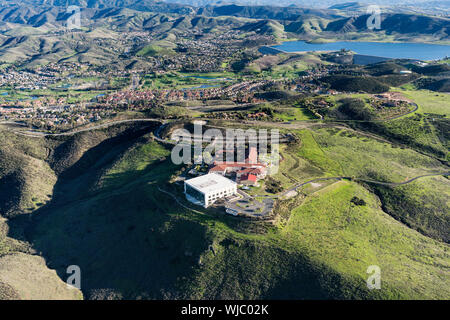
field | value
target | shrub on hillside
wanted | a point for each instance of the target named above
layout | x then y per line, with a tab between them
352	109
273	186
355	84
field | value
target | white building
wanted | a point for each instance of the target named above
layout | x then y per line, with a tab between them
207	189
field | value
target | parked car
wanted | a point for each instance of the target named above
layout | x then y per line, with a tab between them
232	212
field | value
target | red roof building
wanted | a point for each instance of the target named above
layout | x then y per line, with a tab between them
249	179
221	169
239	164
259	172
247	172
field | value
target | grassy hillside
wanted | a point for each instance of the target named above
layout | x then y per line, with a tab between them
342	152
355	84
333	152
426	130
156	49
428	101
423	205
267	27
26	184
363	157
395	24
132	241
24	276
26	180
349	238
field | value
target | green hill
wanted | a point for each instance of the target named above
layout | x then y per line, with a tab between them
268	27
349	238
395	24
154	50
355	83
438	85
107	213
420	205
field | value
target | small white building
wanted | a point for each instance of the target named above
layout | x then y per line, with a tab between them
207	189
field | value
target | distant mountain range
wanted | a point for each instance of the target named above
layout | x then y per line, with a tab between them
51	13
314	3
173	4
33	30
395	23
39	12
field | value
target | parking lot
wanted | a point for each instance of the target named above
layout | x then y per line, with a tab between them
247	205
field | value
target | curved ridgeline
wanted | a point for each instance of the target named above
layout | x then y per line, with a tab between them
357	58
270	50
365	60
366	52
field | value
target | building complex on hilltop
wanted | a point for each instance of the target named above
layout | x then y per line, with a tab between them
218	183
207	189
248	172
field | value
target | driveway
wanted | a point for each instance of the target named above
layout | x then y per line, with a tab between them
250	206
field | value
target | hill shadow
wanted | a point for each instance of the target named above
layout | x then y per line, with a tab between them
129	242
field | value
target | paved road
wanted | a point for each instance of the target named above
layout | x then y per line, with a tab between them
70	133
298	124
165	123
250	206
394	184
389	184
178	201
135	81
402	115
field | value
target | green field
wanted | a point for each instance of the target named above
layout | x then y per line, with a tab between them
424	205
349	238
293	114
429	101
178	80
364	157
288	67
425	130
154	50
340	152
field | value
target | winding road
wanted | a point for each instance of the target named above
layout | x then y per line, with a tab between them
266	205
296	124
389	184
34	133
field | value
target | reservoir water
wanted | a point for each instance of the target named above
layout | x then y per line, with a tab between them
407	50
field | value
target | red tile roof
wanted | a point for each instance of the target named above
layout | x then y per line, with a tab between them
249	177
239	164
219	168
256	171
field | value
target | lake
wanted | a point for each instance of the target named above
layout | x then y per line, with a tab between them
420	51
